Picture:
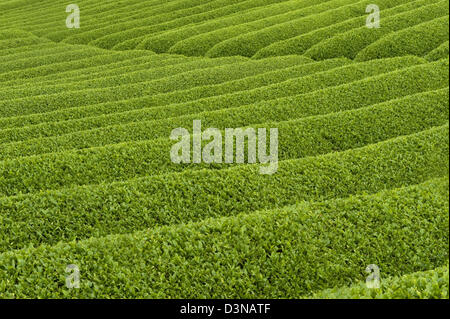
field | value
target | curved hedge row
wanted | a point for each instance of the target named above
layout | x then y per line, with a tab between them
44	49
284	253
199	44
301	43
94	15
181	96
59	71
349	44
129	61
298	85
165	72
248	44
186	76
9	45
54	69
441	52
86	175
369	91
305	137
98	210
163	41
431	284
12	34
418	40
30	50
170	21
205	42
77	53
94	21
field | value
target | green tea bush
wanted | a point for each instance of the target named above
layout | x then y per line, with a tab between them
248	44
431	284
208	71
418	40
150	75
349	44
169	21
366	92
178	96
121	207
290	87
197	40
205	42
310	136
122	64
441	52
360	176
301	43
162	41
284	253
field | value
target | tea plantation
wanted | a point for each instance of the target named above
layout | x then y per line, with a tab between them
87	178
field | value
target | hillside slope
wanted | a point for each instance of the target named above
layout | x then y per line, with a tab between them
87	176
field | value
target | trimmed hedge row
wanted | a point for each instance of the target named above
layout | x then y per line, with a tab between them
248	44
13	5
207	71
350	43
61	67
11	34
300	138
98	210
198	39
44	11
431	284
441	52
55	57
110	36
39	50
34	48
49	10
49	53
284	253
14	44
417	40
94	18
301	43
179	32
112	108
333	77
95	14
210	40
365	92
149	76
122	64
60	71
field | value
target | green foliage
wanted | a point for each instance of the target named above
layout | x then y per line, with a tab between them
260	16
310	136
368	91
432	284
116	36
86	176
220	97
176	69
284	253
248	44
120	207
349	44
301	43
201	43
441	52
180	96
418	40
